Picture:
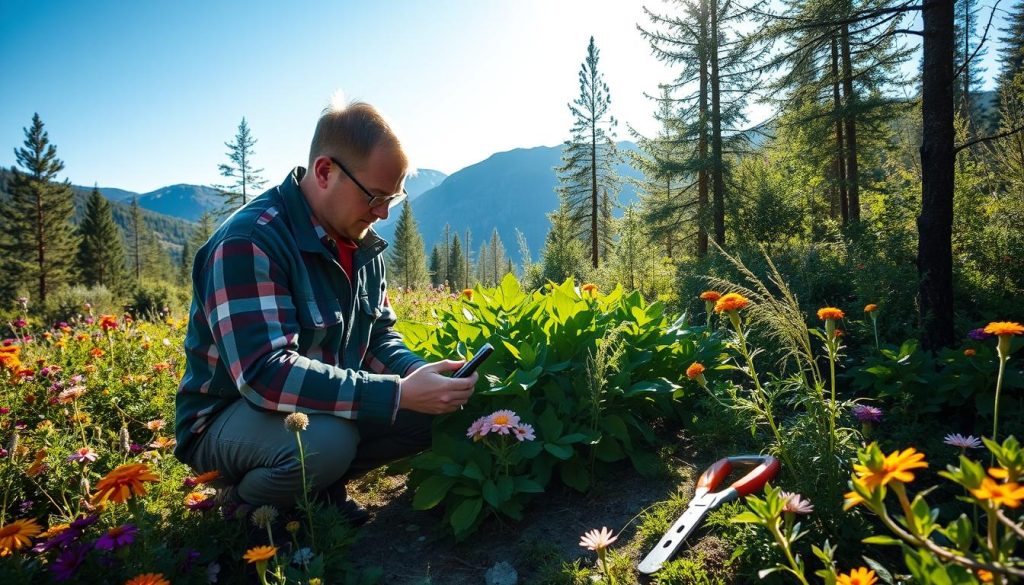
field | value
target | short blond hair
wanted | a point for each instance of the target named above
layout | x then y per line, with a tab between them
350	133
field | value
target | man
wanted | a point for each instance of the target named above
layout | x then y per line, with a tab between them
290	313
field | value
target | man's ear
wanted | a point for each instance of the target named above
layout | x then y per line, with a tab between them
321	170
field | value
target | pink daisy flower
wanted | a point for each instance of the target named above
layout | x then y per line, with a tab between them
503	421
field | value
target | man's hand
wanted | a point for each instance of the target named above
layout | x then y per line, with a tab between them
428	391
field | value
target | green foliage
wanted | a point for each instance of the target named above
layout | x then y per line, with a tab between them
100	251
74	303
246	179
545	342
38	242
564	256
588	182
153	299
407	262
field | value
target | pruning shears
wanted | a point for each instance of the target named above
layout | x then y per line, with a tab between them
704	500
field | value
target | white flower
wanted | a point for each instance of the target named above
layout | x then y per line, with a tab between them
212	571
598	539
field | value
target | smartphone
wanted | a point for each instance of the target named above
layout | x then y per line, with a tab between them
469	367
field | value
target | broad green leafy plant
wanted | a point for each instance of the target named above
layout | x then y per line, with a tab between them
589	371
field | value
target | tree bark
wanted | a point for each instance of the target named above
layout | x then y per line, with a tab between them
935	223
702	140
717	173
837	107
853	190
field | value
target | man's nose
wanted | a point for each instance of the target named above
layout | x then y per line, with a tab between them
382	211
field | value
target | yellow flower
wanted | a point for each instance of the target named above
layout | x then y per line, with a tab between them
163	443
871	308
859	576
895	466
292	527
731	302
260	553
1002	328
695	369
123	483
1007	494
148	579
54	530
710	295
827	313
18	534
852	499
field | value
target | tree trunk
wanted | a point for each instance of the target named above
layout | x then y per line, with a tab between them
702	140
593	196
853	190
935	223
837	106
718	176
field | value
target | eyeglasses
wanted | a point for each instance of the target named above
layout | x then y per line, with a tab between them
375	200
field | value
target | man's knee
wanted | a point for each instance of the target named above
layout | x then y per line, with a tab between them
329	446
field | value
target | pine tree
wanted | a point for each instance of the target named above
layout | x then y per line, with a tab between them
497	261
967	56
563	254
408	261
185	264
483	266
155	259
40	245
203	230
246	180
436	266
135	240
457	265
588	172
100	251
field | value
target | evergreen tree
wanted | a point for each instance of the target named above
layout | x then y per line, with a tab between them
246	180
483	266
629	254
436	266
968	53
497	261
100	251
457	265
155	259
408	260
203	230
39	249
563	254
135	240
185	264
587	173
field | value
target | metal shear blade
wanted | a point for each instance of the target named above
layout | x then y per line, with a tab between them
704	501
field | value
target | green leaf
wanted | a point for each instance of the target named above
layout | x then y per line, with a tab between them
559	451
882	539
491	494
527	486
466	514
472	471
746	517
511	349
506	487
573	438
575	475
432	491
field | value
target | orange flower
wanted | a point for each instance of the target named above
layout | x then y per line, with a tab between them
204	478
148	579
108	322
589	288
695	369
895	466
1002	328
871	308
163	443
970	352
468	293
710	295
832	313
984	576
260	553
162	366
1007	494
96	352
731	302
17	535
39	465
852	498
124	483
859	576
54	530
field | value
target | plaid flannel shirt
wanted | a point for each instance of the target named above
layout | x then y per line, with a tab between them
275	320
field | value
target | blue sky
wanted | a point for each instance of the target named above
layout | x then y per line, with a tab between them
139	95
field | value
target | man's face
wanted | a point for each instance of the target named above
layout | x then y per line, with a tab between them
341	207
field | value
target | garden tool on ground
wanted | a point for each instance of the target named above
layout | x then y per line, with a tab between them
704	500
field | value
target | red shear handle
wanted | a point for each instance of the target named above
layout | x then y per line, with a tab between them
758	476
713	476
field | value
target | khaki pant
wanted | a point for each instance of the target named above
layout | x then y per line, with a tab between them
254	451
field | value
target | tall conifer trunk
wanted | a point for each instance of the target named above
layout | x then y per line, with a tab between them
718	176
840	162
853	187
702	140
935	223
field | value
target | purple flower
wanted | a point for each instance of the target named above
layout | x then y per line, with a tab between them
25	506
60	540
3	452
20	323
84	521
978	334
135	448
68	561
867	414
191	556
962	442
117	537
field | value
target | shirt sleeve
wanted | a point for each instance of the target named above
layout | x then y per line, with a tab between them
253	321
387	352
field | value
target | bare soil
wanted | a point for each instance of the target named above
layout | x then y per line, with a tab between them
412	548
